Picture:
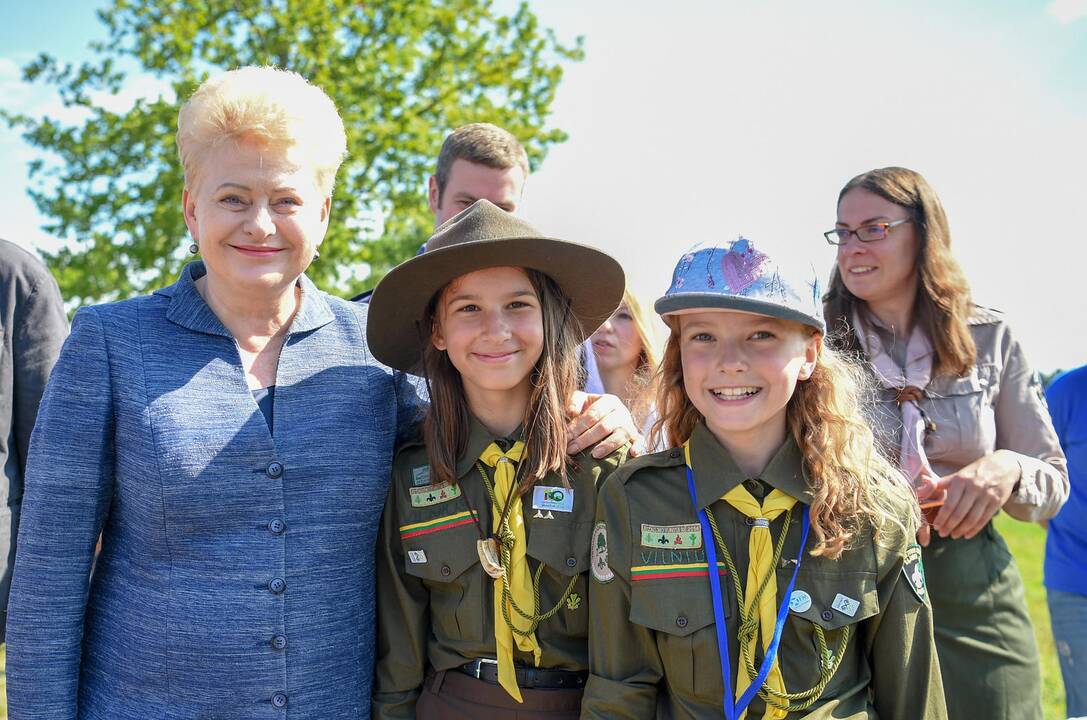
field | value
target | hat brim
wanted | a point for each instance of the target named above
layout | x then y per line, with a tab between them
591	279
686	303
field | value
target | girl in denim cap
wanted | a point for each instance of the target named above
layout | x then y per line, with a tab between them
766	566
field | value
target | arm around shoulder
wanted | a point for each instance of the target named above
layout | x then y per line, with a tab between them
69	484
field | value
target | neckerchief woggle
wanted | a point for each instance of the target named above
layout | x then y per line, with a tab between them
734	709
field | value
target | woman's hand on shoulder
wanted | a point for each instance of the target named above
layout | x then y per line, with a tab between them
976	493
601	421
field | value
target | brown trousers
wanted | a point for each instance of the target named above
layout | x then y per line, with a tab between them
455	696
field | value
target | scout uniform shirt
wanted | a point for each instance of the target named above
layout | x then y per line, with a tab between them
653	642
435	602
984	636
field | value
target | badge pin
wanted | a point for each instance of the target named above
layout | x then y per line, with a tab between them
799	601
417	557
845	605
420	476
573	601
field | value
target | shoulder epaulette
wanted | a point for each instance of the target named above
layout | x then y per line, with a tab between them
664	458
985	316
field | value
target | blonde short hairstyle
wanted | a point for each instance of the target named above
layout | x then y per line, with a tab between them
277	108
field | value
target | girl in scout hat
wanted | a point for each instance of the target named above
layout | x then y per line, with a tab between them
484	547
766	567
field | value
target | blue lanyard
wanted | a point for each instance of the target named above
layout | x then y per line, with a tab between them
733	710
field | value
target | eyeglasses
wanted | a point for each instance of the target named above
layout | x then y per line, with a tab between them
866	233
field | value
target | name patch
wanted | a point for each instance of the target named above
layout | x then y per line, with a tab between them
420	476
845	605
559	499
686	537
433	494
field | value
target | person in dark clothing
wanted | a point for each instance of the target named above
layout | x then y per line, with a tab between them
34	326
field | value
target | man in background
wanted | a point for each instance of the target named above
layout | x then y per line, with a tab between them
34	326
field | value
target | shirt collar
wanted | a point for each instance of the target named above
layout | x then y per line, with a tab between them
479	438
719	472
189	310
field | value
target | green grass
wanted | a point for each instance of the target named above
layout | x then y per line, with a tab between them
1027	543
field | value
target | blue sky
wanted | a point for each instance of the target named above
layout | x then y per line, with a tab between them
694	121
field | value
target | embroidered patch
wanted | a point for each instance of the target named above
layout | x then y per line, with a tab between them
687	537
433	494
914	570
799	601
427	527
573	601
845	605
553	498
417	557
664	572
602	572
420	476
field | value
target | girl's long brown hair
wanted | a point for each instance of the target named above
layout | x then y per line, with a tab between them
852	483
943	306
554	379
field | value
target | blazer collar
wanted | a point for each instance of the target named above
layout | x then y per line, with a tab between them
188	309
716	472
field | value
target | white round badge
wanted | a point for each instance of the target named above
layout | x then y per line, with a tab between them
799	601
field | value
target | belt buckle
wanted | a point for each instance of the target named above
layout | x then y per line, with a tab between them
479	665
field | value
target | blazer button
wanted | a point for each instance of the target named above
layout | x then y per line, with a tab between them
277	585
681	621
279	700
571	562
446	571
275	470
279	642
277	527
827	615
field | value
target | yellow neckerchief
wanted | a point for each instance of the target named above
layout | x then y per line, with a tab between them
760	565
507	513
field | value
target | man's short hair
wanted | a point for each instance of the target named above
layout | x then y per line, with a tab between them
482	144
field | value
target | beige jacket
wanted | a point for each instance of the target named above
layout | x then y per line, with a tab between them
999	406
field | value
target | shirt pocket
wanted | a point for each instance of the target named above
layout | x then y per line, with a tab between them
680	611
962	409
562	547
448	563
830	603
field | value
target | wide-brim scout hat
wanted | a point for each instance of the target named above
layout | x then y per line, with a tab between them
739	277
485	236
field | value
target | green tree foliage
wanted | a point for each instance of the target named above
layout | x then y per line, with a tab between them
402	72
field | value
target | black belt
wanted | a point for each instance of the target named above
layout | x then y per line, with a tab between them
527	677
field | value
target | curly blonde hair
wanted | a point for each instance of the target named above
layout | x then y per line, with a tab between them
852	482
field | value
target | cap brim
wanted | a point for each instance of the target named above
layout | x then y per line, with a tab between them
593	280
686	303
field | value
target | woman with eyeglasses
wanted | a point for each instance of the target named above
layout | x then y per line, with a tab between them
961	411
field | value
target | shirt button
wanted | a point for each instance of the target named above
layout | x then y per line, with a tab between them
274	470
277	527
279	700
827	615
446	572
681	621
571	562
279	642
277	585
674	454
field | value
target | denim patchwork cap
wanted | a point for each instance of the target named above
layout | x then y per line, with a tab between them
739	277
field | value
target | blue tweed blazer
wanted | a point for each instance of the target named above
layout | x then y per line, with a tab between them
236	579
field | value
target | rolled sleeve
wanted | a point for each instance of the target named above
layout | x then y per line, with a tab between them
1023	426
